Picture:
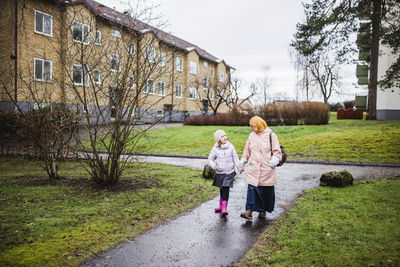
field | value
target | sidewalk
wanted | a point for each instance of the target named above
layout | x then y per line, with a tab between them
200	237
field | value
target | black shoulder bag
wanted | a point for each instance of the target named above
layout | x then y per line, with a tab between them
284	155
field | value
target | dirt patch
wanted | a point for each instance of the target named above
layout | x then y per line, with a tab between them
122	186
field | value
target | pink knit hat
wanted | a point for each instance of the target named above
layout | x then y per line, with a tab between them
219	134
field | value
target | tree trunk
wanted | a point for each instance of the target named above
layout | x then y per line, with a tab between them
373	69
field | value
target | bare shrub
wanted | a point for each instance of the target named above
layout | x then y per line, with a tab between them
316	113
290	113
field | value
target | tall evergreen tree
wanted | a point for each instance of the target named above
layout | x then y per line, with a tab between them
329	25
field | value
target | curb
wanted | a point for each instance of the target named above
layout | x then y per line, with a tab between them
362	164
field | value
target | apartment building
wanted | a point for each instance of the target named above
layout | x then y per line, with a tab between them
92	58
387	100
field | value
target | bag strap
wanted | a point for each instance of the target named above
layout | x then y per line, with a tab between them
270	142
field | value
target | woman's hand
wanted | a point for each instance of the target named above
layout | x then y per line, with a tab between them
273	162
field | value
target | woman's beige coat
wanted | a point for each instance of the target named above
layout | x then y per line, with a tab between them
257	153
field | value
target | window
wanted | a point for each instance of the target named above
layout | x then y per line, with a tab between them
150	53
221	76
161	89
96	77
179	64
80	75
38	106
193	67
192	92
42	70
205	64
160	113
116	32
114	62
43	23
80	32
205	83
211	94
162	59
178	91
149	88
212	73
131	82
97	37
132	49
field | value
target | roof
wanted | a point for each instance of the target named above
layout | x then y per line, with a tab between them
125	20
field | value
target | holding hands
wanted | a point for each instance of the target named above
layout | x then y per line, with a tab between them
240	169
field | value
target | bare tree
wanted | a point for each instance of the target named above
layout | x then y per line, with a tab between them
46	128
264	83
301	65
325	76
111	69
234	101
211	93
115	83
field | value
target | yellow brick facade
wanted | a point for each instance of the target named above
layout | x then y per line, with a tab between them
65	55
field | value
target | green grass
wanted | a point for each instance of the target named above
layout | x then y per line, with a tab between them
65	222
340	140
352	226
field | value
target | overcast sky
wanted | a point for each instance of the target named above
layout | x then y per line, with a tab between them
246	34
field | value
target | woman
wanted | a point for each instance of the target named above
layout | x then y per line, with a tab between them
260	174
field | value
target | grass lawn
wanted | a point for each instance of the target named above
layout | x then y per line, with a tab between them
340	140
64	222
352	226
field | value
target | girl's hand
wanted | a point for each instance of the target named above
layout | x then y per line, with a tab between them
220	169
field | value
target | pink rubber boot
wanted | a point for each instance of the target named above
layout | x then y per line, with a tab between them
224	210
220	206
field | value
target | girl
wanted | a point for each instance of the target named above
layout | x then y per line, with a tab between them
223	159
260	174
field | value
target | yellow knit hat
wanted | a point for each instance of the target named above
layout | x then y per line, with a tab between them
259	123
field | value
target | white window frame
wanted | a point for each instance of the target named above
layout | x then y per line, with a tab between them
97	37
116	32
180	91
194	90
86	79
179	64
205	63
150	53
85	38
211	94
193	67
94	77
161	84
162	59
37	106
221	76
51	26
118	58
147	87
43	73
212	73
132	49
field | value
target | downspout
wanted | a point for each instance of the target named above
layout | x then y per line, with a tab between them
15	54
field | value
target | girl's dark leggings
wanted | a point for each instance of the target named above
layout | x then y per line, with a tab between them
224	191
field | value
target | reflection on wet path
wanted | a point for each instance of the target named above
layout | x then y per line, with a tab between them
201	237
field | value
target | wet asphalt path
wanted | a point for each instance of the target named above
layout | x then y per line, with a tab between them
200	237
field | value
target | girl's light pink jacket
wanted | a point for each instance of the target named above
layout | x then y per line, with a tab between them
224	157
257	153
